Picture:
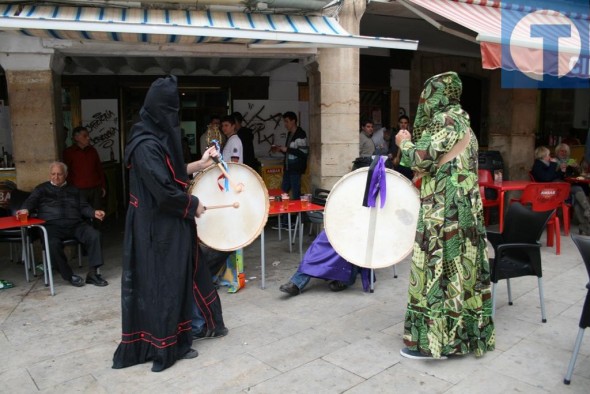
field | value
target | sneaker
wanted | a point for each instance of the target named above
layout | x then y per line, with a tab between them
336	285
290	288
416	355
210	334
192	353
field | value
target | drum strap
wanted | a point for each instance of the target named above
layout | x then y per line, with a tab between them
456	150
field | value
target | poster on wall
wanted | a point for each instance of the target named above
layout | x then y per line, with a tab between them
265	119
101	119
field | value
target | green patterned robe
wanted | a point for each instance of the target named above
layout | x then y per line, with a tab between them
449	298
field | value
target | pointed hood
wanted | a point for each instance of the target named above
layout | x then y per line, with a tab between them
160	122
441	94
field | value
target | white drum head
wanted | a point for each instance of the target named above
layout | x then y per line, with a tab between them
229	228
372	237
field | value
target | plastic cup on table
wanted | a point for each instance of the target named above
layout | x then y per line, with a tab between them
23	217
305	200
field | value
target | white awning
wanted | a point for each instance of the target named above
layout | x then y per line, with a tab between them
185	27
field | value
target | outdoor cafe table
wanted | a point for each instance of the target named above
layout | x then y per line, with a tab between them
9	222
578	179
503	187
276	208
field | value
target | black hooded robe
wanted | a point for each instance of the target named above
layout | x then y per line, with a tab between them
159	257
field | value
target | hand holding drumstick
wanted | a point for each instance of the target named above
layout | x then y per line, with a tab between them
237	187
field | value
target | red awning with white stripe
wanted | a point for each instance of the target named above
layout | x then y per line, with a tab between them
484	17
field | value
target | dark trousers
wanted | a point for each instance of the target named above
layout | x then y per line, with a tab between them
207	313
84	233
292	183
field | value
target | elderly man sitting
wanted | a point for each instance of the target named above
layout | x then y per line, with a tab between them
64	210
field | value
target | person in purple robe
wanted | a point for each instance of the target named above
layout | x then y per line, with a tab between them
321	261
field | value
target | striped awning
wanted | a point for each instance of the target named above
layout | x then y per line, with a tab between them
186	27
504	31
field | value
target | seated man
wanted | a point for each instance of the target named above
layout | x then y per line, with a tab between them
321	261
64	210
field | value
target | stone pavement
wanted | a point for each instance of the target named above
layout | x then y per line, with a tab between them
317	342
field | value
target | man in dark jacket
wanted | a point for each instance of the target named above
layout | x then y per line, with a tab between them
296	150
64	209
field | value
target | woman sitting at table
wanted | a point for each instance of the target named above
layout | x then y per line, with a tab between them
546	169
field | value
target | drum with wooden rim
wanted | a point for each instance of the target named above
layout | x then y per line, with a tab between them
372	237
234	216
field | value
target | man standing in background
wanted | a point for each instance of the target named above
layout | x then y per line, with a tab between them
85	168
296	151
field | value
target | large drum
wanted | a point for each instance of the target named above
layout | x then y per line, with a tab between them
372	237
242	215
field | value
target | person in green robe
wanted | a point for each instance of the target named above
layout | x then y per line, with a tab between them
449	308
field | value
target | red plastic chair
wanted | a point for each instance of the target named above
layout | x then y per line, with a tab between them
485	176
531	177
565	211
548	197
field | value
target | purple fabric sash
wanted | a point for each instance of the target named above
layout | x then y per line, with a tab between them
375	183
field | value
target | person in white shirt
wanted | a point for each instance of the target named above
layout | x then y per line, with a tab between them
233	150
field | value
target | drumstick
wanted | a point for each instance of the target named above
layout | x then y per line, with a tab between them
234	205
239	187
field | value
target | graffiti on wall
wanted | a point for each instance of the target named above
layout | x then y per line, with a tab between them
101	129
101	119
266	121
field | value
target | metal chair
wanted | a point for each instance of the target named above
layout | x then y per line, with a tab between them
517	250
317	218
583	244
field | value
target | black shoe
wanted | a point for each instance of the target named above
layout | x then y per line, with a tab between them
77	281
336	285
192	353
290	288
210	334
96	280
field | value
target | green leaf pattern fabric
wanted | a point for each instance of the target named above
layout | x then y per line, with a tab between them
449	298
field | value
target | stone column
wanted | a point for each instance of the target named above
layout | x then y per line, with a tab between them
334	105
34	96
512	126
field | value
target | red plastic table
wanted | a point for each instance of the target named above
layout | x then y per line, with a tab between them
502	188
9	222
579	179
277	208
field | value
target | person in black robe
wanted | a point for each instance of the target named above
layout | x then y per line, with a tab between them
161	276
